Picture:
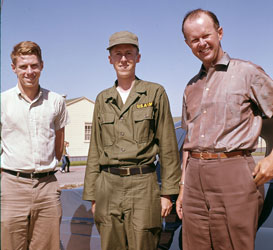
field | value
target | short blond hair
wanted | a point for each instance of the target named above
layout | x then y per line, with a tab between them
26	48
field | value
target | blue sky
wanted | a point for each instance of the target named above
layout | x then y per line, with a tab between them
74	35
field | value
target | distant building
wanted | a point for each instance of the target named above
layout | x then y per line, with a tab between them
78	131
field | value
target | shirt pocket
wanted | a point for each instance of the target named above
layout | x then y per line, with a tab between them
144	123
45	123
107	121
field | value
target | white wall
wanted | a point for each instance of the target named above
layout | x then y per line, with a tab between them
79	113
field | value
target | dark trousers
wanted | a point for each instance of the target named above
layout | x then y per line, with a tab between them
65	162
172	223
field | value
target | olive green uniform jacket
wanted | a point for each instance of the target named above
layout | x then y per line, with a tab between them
133	134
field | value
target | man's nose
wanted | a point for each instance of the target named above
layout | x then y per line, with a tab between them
202	42
123	58
29	70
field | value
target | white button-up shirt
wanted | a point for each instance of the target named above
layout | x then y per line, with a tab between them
28	130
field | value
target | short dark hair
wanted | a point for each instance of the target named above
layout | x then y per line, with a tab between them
26	48
196	13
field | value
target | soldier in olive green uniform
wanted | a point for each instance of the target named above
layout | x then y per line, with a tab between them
132	123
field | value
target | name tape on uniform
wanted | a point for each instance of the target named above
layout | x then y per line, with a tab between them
144	105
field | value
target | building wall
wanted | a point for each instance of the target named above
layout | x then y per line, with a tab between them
79	112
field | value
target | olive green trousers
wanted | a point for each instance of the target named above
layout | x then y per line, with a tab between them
128	211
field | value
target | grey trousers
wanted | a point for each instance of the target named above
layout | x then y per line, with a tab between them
221	204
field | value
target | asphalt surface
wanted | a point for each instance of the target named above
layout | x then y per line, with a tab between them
72	179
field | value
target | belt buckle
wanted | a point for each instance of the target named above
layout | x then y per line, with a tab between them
124	172
34	175
201	156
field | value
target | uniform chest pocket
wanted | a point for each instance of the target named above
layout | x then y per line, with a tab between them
107	121
144	124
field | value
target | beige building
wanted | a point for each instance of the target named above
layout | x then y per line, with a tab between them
78	131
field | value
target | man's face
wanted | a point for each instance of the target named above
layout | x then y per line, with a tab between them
124	58
204	39
28	70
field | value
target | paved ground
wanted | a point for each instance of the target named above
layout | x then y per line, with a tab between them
75	177
72	179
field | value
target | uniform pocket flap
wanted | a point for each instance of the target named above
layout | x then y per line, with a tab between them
107	118
143	114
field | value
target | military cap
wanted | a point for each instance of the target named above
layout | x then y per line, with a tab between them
123	37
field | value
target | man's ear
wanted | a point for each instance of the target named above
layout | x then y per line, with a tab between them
13	67
186	41
220	33
42	65
138	58
110	59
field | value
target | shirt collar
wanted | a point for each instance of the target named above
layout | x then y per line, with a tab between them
17	90
20	94
222	62
113	94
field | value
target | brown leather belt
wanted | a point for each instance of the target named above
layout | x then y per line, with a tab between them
211	156
28	175
126	171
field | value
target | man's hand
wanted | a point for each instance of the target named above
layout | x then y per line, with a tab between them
93	207
179	210
166	205
263	171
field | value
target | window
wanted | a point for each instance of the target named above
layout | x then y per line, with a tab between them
87	131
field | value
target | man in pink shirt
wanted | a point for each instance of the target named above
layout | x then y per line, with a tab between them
221	188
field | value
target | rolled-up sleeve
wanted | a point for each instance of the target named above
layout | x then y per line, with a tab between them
62	118
261	90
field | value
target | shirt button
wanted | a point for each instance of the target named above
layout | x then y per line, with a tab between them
205	111
122	149
122	133
202	136
121	118
207	89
